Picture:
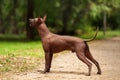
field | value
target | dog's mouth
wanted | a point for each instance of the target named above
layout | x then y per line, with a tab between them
34	22
31	24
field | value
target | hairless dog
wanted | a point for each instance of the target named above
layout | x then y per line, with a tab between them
53	43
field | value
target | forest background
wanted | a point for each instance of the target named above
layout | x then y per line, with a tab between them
69	17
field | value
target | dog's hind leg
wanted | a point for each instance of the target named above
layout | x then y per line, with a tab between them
82	57
90	57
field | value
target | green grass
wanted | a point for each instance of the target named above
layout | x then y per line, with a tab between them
109	34
19	56
100	35
21	48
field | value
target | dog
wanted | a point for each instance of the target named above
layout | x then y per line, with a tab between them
53	43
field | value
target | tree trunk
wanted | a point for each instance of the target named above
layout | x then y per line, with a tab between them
104	23
13	18
65	20
2	31
66	15
81	14
30	31
0	17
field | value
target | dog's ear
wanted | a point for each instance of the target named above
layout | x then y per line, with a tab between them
44	18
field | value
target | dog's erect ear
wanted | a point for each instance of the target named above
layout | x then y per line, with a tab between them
44	18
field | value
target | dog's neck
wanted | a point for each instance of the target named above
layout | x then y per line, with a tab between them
43	30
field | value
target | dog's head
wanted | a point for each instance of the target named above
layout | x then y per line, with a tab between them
35	22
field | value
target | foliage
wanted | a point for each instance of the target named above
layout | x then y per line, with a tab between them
12	19
63	16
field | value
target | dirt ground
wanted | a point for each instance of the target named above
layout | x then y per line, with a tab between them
68	67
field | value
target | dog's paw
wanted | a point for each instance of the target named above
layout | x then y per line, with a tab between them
99	73
45	71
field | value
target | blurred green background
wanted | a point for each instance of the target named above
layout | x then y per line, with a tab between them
70	17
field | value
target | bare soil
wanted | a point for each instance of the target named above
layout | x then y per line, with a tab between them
68	67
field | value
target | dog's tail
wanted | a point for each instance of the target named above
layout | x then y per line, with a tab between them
94	36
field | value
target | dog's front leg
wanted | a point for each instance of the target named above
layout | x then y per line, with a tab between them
48	60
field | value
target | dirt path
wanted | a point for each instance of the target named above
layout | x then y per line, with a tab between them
68	67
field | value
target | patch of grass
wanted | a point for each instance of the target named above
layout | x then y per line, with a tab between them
19	56
14	63
20	47
100	35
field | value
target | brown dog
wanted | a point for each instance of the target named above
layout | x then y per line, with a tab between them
53	43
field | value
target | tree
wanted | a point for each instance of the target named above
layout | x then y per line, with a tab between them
67	11
63	16
73	12
1	21
13	17
30	9
103	8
